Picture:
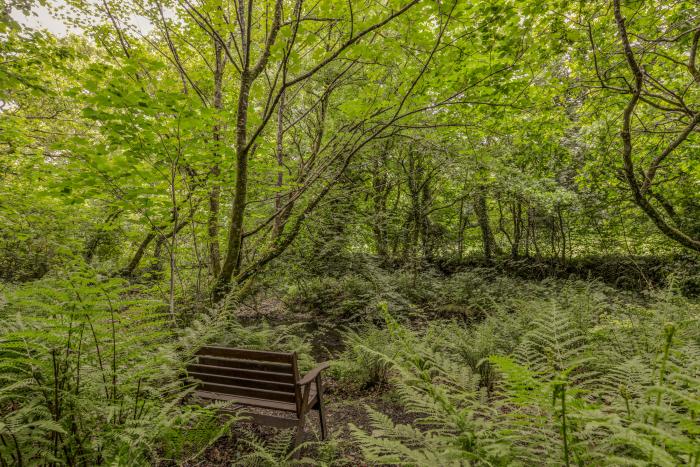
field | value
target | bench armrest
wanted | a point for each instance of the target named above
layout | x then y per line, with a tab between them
311	375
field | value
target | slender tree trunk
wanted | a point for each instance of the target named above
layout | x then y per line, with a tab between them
414	218
173	240
552	237
516	212
533	226
215	193
235	235
280	166
379	198
129	269
462	224
426	226
482	214
396	238
527	233
562	232
213	224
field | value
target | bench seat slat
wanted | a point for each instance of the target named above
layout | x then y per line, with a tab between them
253	402
246	354
246	392
246	364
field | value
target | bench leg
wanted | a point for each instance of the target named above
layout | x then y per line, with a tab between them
324	428
321	409
299	435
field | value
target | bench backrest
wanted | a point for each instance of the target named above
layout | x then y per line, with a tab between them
248	373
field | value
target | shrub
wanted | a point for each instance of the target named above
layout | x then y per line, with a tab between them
363	364
350	298
346	297
90	375
282	338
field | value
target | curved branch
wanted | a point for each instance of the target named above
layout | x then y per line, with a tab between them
639	195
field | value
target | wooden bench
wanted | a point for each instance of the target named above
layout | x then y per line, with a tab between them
260	379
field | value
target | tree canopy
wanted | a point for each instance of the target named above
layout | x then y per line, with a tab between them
222	131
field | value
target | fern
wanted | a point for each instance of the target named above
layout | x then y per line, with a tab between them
90	374
273	452
590	382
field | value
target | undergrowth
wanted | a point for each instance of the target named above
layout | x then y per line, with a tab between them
90	374
579	377
495	371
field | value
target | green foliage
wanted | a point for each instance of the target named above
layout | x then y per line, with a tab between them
355	296
348	297
274	452
578	388
362	364
264	453
283	338
259	452
464	295
90	374
403	155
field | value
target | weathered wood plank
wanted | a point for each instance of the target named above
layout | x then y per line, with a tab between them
242	373
246	354
231	377
247	389
265	419
246	364
247	401
212	386
271	420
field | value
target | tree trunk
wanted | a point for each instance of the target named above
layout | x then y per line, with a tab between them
173	239
516	212
462	225
427	231
527	232
94	241
280	166
533	227
562	232
641	192
414	216
235	234
215	193
129	269
482	214
379	198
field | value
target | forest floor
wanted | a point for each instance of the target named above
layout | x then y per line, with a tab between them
322	318
342	408
344	405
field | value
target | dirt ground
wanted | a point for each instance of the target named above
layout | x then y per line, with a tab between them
343	407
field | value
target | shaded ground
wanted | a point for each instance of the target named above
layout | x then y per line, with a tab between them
342	408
